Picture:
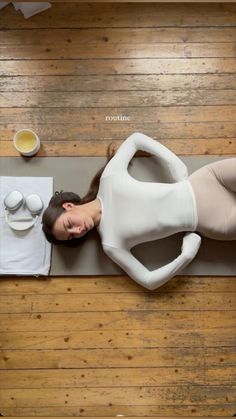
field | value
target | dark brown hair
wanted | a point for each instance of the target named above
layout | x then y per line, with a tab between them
55	209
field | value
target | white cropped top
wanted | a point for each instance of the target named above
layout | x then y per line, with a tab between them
134	212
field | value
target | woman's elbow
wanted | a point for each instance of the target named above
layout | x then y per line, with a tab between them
152	284
151	287
148	284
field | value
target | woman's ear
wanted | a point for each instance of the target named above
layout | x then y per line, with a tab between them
68	205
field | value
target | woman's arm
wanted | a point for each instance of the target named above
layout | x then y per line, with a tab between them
154	279
138	141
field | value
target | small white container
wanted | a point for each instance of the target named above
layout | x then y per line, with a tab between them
26	142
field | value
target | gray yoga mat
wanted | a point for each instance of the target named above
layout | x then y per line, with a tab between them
74	174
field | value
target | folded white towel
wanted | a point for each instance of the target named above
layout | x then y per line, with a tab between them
24	252
31	8
3	4
28	9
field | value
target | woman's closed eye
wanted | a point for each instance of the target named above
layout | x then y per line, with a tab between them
69	227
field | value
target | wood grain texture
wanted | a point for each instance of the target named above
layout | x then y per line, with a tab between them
97	347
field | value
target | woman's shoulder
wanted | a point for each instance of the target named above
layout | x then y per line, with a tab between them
111	169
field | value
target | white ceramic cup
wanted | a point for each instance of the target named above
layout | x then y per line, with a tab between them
26	142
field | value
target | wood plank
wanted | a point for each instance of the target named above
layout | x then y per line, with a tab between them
118	358
72	303
120	99
92	148
117	66
118	396
119	131
117	377
174	114
185	320
142	51
94	51
118	36
97	15
121	82
107	284
173	134
158	115
112	411
103	417
141	338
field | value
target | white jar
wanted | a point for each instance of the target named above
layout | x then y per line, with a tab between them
26	142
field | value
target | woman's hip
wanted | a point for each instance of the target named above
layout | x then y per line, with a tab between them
214	187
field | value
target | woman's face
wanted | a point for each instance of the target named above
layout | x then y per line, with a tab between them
73	223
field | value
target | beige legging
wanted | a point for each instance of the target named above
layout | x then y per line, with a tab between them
214	186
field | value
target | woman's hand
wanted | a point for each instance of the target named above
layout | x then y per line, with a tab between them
191	244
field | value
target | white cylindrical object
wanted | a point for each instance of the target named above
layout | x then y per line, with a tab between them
26	142
20	225
21	219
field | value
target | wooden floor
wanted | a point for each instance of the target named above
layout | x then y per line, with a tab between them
82	75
